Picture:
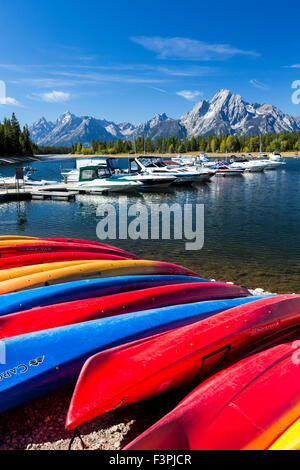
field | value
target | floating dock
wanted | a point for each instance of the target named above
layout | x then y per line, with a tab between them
53	193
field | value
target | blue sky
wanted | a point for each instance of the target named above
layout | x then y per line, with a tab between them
128	60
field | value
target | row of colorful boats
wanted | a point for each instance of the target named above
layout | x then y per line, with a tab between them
125	329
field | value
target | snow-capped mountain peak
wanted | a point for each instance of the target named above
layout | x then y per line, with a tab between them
225	113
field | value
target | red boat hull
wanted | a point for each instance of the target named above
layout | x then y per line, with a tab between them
236	408
176	358
51	247
54	257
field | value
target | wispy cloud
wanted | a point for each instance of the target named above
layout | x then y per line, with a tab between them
189	94
158	89
99	77
55	96
257	84
190	49
294	66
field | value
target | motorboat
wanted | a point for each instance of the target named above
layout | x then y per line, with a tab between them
271	163
11	182
251	166
99	179
201	160
119	168
72	175
224	169
156	166
149	182
204	173
275	157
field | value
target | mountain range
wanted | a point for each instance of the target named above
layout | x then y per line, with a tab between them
226	113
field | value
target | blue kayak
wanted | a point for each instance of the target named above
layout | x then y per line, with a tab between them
77	290
37	363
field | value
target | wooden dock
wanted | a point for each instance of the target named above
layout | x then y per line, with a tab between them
55	193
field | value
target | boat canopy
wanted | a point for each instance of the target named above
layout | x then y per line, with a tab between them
89	173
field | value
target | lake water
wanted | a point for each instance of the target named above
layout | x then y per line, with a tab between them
252	224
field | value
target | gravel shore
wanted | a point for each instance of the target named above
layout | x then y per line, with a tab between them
40	425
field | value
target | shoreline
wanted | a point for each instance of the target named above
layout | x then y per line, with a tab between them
163	155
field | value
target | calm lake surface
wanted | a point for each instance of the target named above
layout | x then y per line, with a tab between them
252	224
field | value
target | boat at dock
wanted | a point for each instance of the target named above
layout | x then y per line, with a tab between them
158	167
271	163
117	172
275	157
200	161
99	179
251	166
224	169
149	182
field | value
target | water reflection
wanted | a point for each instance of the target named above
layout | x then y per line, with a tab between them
252	225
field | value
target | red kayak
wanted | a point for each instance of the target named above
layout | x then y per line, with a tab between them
246	406
78	240
64	240
170	360
85	242
67	313
44	247
54	257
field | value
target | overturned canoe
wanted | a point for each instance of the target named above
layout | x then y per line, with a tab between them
242	395
67	313
84	289
89	270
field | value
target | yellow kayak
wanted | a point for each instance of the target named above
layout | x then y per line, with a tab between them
92	270
22	241
13	273
16	237
289	440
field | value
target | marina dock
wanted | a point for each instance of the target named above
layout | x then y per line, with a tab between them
36	194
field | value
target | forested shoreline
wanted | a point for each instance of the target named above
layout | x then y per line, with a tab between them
13	140
286	142
17	142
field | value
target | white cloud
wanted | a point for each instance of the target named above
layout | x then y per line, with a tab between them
189	95
257	84
6	99
55	96
190	49
9	101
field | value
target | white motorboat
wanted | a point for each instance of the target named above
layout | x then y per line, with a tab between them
275	157
99	179
131	171
223	169
250	166
11	182
201	160
156	166
72	175
271	164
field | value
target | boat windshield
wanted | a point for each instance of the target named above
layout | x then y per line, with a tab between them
152	162
92	173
